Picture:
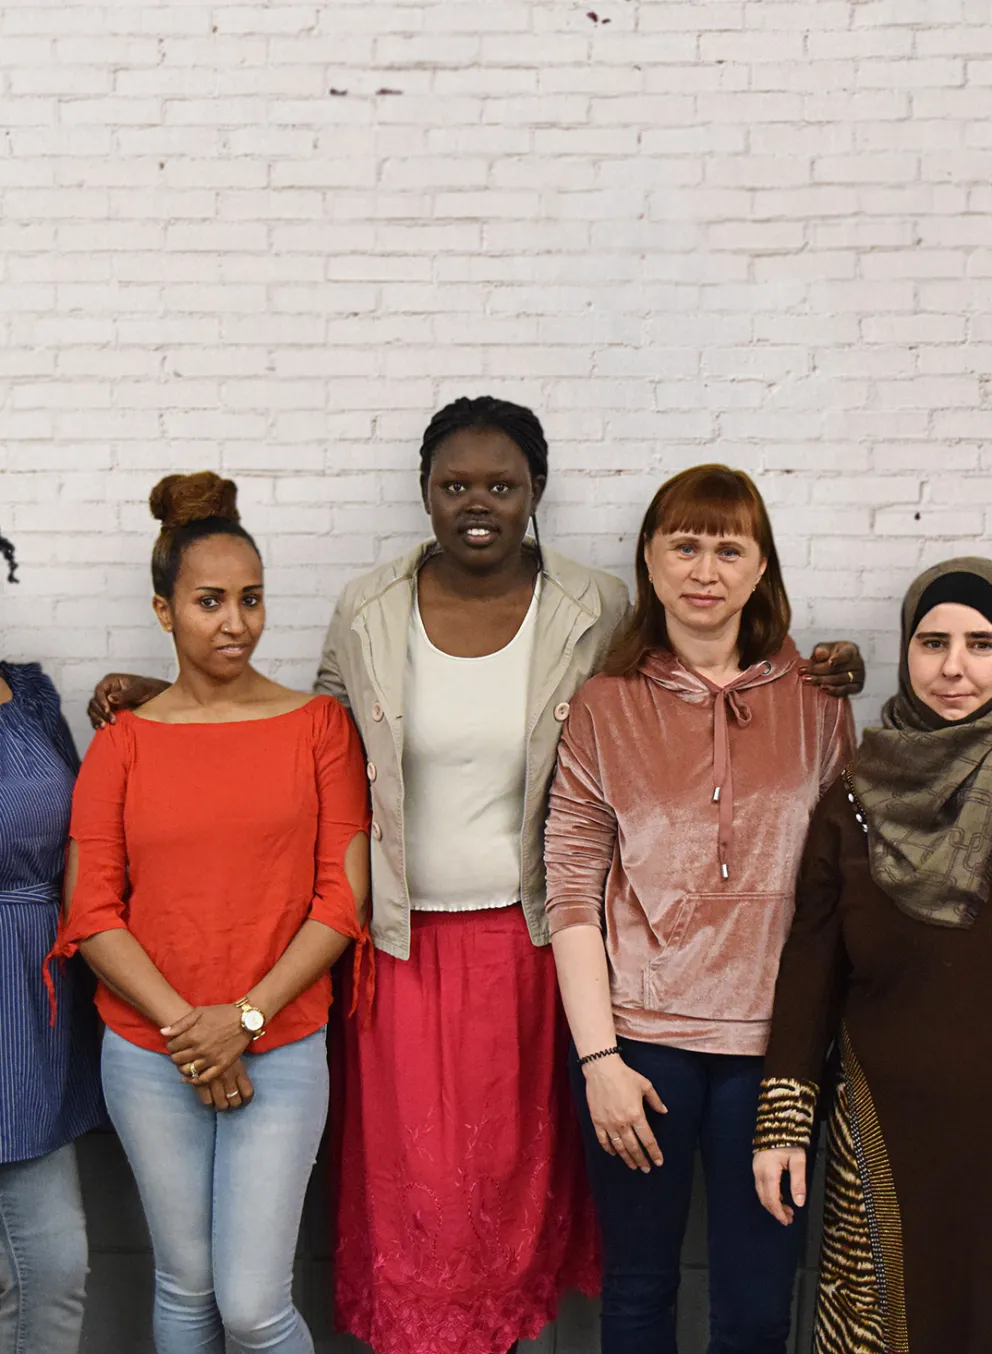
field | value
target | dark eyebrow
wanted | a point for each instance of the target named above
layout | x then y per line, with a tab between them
504	474
944	634
212	587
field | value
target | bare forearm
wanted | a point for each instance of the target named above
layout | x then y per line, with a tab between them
120	962
316	947
584	980
313	950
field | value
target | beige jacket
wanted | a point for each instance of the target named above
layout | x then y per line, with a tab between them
364	664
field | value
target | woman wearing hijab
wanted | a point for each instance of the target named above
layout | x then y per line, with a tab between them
890	955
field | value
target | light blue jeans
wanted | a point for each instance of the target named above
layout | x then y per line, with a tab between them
222	1192
42	1255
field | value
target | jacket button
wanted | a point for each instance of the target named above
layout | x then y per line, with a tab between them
377	712
376	831
561	711
371	771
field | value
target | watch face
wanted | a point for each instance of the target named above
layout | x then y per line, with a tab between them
253	1021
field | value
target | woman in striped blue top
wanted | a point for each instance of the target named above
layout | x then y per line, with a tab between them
49	1082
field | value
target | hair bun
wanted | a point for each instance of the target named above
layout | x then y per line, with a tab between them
178	500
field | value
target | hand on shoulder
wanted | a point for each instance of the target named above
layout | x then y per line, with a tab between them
837	667
121	691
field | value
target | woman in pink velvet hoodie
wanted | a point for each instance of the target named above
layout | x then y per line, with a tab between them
687	774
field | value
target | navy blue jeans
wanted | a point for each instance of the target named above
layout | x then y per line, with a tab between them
711	1100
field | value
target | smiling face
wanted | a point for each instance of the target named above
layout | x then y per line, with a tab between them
216	613
950	660
480	497
702	581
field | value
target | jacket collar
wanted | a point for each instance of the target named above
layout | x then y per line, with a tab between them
569	605
573	579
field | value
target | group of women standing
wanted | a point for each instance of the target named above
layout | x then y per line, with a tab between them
222	843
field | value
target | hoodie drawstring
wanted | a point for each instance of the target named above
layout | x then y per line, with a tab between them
723	774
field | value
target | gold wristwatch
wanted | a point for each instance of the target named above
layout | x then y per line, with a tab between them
252	1020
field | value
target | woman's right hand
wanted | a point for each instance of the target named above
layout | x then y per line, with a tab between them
230	1091
616	1096
769	1167
120	691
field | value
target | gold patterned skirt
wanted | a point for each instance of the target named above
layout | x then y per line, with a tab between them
861	1308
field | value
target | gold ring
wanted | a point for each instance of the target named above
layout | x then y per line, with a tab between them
850	675
191	1071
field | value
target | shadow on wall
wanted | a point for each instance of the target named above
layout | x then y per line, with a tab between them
118	1317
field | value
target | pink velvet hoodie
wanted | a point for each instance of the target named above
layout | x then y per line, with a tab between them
678	815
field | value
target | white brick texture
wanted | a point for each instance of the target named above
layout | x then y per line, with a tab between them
271	238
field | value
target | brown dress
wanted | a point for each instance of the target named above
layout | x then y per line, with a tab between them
906	1264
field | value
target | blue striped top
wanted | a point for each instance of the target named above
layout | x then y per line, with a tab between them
49	1077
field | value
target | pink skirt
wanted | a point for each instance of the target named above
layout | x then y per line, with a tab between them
463	1210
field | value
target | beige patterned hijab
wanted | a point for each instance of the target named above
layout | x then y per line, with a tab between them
925	783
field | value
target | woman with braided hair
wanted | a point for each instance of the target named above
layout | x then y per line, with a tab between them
463	1212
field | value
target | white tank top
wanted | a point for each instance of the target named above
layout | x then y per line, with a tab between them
464	763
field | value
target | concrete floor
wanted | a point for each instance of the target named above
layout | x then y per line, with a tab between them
120	1287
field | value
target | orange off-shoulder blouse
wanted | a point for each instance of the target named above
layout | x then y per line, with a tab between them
212	844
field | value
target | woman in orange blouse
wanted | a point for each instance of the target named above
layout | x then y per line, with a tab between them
218	868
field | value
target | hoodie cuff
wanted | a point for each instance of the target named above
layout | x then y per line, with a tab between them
563	914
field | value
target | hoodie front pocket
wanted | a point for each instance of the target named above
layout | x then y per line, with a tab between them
722	961
667	933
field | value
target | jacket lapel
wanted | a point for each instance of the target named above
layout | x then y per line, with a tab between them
382	624
562	620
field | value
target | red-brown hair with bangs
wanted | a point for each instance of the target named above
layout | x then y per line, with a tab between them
708	500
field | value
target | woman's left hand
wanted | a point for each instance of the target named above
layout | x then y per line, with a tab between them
837	666
230	1091
206	1040
770	1166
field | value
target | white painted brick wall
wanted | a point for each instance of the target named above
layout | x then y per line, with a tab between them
271	238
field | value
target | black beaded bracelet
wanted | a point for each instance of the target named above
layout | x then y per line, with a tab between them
603	1053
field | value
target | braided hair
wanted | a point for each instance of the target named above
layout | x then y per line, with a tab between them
521	425
7	550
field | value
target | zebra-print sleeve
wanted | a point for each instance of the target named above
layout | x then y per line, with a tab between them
785	1113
